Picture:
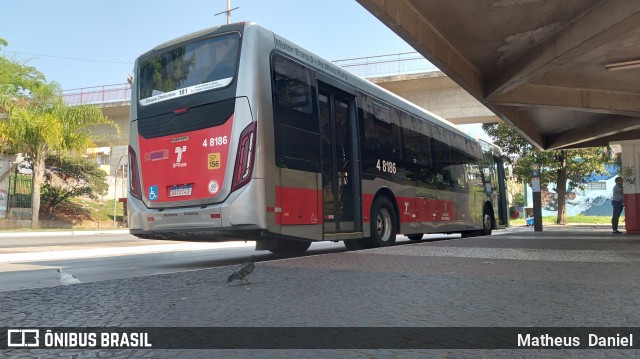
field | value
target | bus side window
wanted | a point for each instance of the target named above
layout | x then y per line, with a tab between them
417	155
458	161
489	173
296	128
292	85
382	139
441	162
474	176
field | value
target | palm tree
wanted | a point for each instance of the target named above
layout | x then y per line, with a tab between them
39	124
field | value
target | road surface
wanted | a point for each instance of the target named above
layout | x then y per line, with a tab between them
32	261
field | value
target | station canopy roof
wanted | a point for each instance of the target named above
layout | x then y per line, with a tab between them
565	73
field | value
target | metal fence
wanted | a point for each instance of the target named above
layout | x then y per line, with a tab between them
20	191
372	66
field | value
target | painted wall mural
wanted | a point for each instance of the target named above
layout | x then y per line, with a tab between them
594	200
629	174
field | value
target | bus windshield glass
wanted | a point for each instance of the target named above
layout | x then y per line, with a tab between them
195	67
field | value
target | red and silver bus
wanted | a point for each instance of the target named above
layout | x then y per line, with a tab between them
238	133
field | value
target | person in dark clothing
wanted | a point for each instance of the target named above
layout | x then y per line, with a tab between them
617	200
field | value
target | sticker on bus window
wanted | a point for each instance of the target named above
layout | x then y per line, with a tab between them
213	161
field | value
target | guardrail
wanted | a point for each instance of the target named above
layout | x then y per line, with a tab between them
372	66
387	65
97	95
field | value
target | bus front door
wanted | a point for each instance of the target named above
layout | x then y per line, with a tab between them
340	186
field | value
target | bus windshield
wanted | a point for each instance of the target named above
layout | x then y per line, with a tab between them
189	68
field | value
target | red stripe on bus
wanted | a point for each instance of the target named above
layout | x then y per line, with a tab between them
298	206
302	206
415	209
367	202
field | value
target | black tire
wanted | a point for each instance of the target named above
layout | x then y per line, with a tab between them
353	244
487	222
467	234
383	223
415	237
151	236
289	246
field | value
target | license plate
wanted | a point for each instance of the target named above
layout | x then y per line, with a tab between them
180	191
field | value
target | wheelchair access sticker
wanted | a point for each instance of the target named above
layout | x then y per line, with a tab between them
152	194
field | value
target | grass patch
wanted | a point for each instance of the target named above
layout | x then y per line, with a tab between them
83	209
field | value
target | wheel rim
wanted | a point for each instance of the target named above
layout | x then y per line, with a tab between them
383	224
487	222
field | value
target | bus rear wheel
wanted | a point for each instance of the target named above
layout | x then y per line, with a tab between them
289	246
383	223
487	222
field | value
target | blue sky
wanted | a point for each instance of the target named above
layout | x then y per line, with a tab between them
52	33
93	43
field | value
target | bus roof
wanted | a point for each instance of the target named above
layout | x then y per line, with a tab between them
194	35
326	67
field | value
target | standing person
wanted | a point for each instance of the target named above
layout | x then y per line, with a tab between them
618	204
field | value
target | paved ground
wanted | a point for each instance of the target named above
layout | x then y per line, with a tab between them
582	277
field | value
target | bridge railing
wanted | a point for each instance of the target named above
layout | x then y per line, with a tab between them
372	66
387	65
97	95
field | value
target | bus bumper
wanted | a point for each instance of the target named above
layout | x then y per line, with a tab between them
241	216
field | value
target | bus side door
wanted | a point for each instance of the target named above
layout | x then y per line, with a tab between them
339	154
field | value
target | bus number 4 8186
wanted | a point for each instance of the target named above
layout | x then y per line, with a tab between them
386	166
215	141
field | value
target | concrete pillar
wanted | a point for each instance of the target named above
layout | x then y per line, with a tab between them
4	185
630	172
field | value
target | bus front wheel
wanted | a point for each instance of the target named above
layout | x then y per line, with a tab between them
383	223
290	246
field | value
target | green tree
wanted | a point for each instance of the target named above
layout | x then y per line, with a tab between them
16	77
559	166
37	123
72	177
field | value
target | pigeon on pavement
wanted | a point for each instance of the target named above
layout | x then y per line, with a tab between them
244	270
67	278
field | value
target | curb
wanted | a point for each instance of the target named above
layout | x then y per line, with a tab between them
61	233
32	256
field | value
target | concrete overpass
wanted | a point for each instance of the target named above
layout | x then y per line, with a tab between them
437	93
564	73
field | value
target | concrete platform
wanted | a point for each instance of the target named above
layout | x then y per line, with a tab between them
578	277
